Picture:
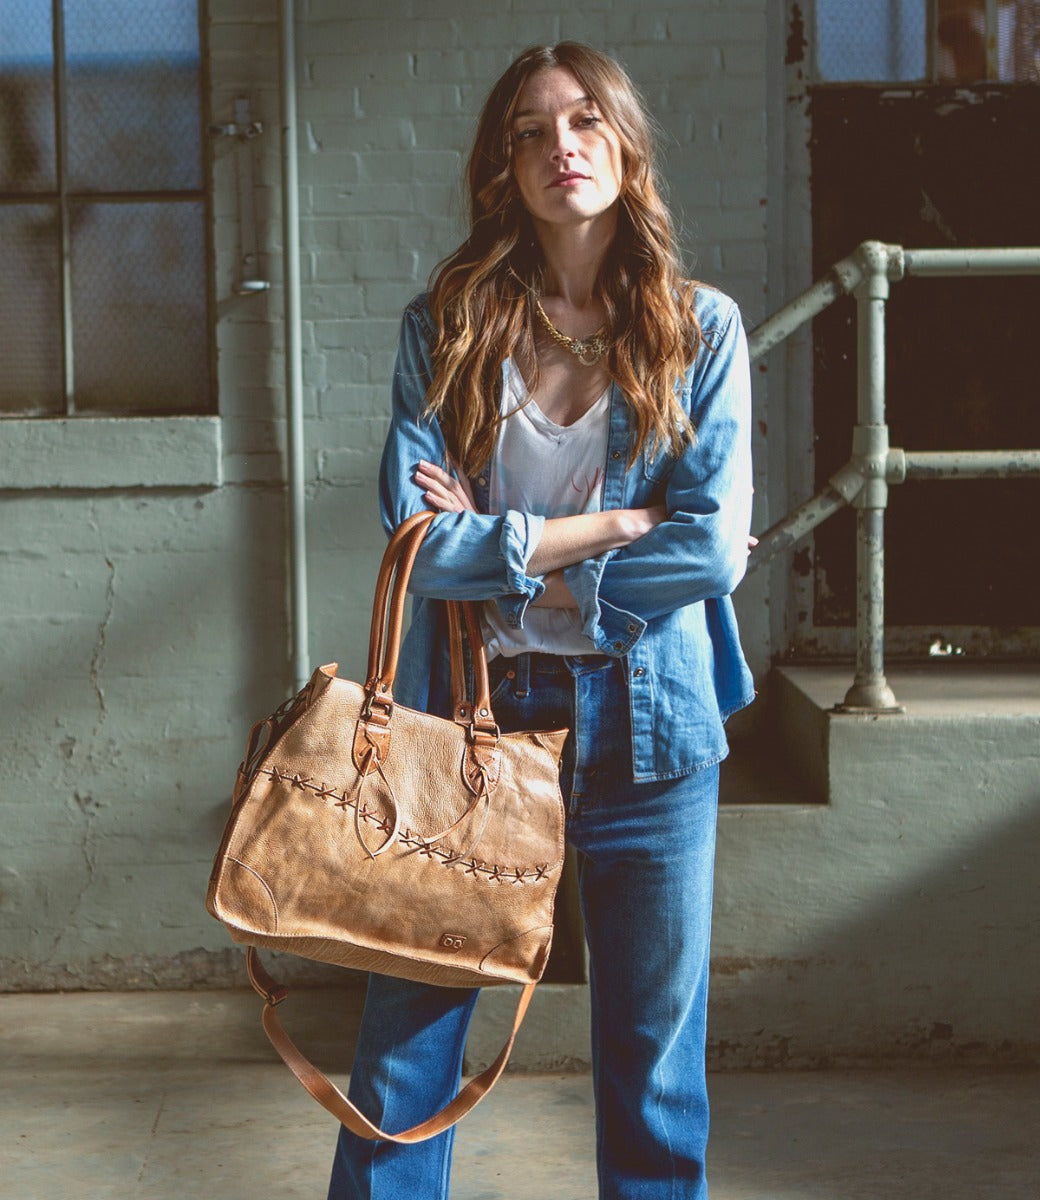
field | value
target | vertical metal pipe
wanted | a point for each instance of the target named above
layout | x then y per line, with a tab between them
300	651
870	691
870	688
61	125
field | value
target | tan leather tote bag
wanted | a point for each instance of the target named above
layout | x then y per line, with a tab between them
370	835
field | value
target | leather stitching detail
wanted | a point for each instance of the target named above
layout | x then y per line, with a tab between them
446	857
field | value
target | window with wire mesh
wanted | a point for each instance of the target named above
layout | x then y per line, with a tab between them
928	41
103	307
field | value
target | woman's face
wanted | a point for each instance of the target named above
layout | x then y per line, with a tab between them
566	158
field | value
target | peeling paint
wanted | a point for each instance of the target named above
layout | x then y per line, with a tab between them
87	805
796	40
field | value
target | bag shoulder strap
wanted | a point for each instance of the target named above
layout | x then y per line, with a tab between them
334	1101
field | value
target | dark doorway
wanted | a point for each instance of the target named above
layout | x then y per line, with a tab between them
933	167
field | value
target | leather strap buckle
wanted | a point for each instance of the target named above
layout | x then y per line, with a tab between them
387	706
488	735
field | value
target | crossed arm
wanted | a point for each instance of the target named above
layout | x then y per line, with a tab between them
564	541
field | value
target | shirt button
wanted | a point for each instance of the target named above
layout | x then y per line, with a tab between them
616	455
632	628
619	645
482	481
638	672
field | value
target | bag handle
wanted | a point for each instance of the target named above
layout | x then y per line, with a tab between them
477	715
335	1102
391	592
481	763
385	638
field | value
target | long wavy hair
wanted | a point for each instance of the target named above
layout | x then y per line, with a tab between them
481	297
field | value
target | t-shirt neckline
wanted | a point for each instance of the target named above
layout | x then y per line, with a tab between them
534	414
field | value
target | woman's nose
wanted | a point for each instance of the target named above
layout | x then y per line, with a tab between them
563	144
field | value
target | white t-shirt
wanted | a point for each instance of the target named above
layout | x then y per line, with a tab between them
553	471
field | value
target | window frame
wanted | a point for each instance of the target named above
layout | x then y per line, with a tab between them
62	199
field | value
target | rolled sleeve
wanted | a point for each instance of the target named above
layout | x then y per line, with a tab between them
613	630
521	533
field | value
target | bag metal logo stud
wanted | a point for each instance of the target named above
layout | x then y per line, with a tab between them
452	941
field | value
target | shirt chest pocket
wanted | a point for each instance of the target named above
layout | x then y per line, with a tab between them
659	462
657	465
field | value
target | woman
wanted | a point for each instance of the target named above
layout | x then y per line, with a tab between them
579	416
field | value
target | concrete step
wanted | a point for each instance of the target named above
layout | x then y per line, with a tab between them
957	712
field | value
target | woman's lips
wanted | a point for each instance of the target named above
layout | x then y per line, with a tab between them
572	177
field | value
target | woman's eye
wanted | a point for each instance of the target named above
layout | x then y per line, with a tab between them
589	121
525	135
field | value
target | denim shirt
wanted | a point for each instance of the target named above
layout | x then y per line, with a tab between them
662	603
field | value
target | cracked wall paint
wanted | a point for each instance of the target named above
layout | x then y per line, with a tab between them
97	658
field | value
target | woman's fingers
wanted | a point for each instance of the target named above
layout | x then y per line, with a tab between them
441	490
463	482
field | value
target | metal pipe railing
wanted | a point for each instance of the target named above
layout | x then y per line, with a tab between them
870	690
971	464
1000	261
839	281
863	481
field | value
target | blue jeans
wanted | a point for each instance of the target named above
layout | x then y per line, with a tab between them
645	861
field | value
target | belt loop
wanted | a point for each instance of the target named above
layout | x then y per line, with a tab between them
523	675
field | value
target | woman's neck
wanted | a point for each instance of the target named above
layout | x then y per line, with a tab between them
573	258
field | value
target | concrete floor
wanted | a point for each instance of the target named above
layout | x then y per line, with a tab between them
164	1095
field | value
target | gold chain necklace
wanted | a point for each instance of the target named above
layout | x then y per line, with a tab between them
588	350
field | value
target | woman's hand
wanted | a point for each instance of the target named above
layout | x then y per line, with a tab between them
443	491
